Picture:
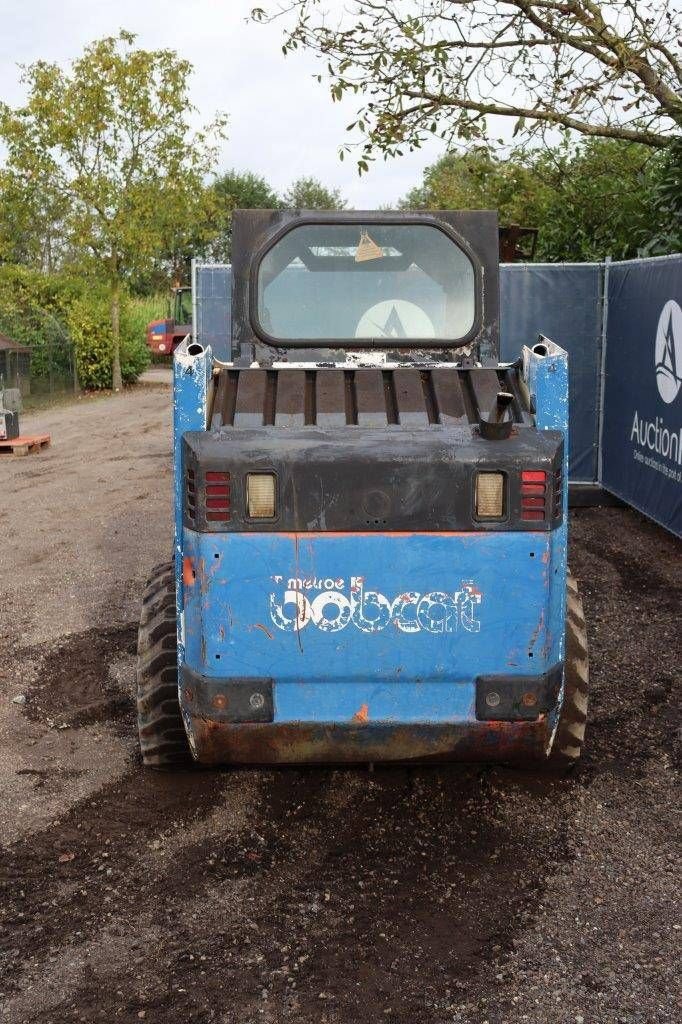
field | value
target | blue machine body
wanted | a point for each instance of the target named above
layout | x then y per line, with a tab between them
379	616
371	642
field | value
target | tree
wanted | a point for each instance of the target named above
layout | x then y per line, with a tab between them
244	190
111	139
31	223
666	233
591	199
603	69
236	190
311	194
477	179
595	199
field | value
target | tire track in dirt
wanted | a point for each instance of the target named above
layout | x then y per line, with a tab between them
340	887
104	918
203	876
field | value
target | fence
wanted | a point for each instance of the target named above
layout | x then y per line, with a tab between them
641	436
42	363
212	307
563	301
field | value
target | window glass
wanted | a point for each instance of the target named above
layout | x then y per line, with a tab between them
383	281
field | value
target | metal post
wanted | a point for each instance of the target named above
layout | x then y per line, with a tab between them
192	368
74	367
602	364
195	322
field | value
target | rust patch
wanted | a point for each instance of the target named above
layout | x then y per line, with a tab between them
188	574
204	577
536	631
264	629
354	742
362	714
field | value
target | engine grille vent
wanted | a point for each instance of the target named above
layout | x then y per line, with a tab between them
366	397
190	494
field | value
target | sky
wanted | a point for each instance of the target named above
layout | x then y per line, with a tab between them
283	125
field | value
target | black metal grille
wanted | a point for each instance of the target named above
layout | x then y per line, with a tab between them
366	397
190	494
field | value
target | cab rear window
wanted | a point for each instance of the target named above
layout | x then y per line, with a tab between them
375	282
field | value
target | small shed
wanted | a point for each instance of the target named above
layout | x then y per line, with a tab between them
15	365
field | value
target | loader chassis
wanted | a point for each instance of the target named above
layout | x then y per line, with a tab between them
370	525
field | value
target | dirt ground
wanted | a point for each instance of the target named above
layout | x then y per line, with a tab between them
443	895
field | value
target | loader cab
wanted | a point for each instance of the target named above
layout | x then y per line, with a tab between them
312	287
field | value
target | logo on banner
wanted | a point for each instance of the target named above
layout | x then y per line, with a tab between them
668	357
331	605
659	443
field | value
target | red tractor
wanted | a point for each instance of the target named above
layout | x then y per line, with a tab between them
164	336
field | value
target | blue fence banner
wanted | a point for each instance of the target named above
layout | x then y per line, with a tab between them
563	302
642	406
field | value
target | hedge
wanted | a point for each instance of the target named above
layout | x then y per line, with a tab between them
46	310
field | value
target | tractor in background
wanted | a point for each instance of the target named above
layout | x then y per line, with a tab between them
164	336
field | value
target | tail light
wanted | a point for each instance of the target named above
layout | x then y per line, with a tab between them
533	495
217	496
489	495
260	495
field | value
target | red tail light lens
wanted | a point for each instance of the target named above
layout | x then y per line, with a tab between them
217	496
533	495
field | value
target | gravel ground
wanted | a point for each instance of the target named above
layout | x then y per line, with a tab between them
444	895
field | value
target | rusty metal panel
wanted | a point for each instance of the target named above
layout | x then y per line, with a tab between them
326	397
361	741
330	398
250	402
225	399
290	405
485	386
370	398
409	398
449	397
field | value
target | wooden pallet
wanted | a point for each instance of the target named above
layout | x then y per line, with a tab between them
25	444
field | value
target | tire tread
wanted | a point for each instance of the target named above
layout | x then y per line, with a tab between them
570	734
163	740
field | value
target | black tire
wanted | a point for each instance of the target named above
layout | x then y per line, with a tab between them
163	740
570	735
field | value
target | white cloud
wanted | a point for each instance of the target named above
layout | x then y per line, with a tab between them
282	123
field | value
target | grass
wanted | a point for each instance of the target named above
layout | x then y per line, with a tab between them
141	310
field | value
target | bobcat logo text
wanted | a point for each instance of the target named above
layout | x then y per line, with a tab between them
338	605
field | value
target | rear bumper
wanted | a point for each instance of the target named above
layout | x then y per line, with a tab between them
234	720
215	742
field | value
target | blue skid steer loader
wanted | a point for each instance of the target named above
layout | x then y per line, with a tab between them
370	512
